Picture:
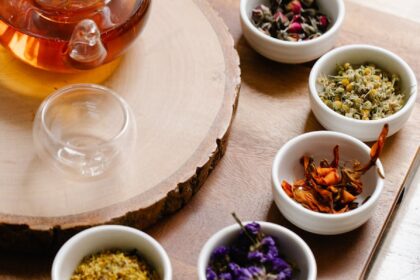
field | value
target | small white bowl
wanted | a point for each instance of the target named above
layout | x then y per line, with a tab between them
292	52
365	130
100	238
319	145
292	247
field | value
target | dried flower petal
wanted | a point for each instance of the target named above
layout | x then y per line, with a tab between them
279	20
262	258
210	274
294	6
329	187
287	188
253	228
323	22
280	17
225	276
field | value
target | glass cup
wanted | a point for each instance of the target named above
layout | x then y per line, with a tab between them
84	130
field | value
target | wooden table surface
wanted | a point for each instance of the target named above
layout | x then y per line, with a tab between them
234	185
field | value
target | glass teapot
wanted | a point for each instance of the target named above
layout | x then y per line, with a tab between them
70	35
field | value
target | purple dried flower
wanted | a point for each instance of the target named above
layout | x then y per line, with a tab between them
253	228
251	256
225	276
284	275
279	265
256	271
220	253
242	273
233	267
268	245
210	274
256	257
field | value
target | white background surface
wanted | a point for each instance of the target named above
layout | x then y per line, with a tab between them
399	254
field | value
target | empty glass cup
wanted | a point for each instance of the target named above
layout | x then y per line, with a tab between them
84	129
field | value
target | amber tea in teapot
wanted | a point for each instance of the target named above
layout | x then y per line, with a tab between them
70	35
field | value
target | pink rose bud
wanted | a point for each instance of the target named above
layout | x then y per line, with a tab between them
280	17
295	6
297	18
323	22
295	27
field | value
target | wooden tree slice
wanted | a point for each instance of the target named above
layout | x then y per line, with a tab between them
182	81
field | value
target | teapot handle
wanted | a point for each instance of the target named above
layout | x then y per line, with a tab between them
85	49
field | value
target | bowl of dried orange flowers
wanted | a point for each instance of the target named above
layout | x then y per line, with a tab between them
328	182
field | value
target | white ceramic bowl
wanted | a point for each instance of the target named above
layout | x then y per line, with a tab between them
292	52
101	238
292	246
320	146
365	130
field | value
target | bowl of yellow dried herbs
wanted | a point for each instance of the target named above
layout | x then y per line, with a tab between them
291	31
111	252
327	182
356	89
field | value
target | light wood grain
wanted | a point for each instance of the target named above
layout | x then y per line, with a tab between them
182	82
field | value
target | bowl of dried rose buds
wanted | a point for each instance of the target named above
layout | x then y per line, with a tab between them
291	31
256	250
111	252
327	182
356	89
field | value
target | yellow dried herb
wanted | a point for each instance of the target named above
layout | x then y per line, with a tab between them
363	92
113	265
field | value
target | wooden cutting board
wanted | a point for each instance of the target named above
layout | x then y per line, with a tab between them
181	79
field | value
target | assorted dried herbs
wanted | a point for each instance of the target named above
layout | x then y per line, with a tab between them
252	255
362	92
291	20
113	265
331	187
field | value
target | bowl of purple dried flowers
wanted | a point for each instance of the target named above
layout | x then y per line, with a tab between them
291	31
256	250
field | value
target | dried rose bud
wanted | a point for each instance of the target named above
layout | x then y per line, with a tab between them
323	22
296	18
257	15
295	27
286	17
280	17
294	6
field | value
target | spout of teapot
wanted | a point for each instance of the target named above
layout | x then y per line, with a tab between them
85	49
